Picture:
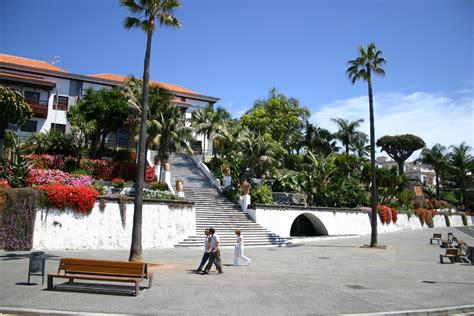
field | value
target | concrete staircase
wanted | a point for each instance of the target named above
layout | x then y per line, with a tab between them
215	210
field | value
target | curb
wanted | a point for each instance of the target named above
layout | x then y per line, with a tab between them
463	310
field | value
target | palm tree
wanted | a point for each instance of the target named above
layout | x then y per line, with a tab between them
148	10
169	132
347	132
461	162
206	121
370	60
436	157
319	140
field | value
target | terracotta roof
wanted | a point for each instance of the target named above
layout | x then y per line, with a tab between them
17	76
27	62
180	102
164	85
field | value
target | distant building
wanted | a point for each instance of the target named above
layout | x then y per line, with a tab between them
51	91
413	170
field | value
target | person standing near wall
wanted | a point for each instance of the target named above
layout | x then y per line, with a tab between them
215	257
239	249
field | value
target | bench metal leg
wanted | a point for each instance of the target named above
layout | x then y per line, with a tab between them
150	281
50	282
137	288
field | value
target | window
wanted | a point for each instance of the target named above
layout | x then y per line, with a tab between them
61	102
123	138
32	96
29	126
183	99
58	127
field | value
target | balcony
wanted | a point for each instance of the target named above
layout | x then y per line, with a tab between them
39	107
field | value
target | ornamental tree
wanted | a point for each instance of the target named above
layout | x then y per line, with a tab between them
13	109
400	147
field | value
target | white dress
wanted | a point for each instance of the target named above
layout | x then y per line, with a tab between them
239	251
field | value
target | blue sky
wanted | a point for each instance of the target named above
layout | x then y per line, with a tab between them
238	49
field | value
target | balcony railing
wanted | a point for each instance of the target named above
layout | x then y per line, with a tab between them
39	107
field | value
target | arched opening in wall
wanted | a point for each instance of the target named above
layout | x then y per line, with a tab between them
307	224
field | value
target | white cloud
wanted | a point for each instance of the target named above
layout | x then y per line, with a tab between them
434	117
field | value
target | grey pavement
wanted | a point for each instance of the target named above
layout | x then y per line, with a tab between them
324	276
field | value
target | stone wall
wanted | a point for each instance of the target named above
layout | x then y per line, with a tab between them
164	225
338	221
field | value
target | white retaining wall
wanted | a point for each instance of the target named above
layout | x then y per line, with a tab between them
163	226
340	222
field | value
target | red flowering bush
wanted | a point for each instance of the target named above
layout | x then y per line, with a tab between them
107	170
425	216
4	184
394	214
45	161
78	198
385	213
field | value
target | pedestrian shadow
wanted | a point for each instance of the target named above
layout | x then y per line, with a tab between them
447	282
19	256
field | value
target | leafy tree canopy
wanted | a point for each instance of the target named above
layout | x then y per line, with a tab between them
13	108
400	147
278	117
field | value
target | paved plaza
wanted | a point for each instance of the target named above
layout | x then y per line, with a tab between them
325	276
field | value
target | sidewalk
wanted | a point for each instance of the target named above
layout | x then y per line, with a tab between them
317	277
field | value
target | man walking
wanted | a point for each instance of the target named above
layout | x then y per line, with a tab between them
215	258
207	251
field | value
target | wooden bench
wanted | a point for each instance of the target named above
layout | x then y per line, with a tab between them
436	237
452	254
102	270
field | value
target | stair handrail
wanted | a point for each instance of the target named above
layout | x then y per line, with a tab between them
203	167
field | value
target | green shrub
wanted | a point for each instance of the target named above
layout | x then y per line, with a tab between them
233	193
80	172
99	187
52	142
161	186
262	194
159	195
451	198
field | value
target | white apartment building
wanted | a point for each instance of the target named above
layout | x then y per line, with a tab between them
413	170
51	91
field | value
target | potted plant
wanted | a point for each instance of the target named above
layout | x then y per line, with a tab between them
179	185
118	184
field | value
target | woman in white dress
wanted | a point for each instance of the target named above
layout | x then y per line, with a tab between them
239	249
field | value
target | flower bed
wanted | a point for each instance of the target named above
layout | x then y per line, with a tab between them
78	198
47	176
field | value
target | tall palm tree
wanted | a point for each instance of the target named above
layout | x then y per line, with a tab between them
146	12
436	157
347	132
207	121
461	162
369	60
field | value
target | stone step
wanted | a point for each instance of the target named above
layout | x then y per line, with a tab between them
214	210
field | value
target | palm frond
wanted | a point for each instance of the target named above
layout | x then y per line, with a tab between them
132	5
130	22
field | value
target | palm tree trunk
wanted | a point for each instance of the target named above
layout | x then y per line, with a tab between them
347	148
437	184
136	247
204	148
463	188
373	188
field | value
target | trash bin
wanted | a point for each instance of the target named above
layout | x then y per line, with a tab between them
37	265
